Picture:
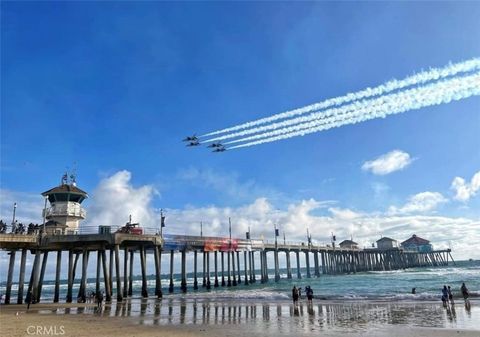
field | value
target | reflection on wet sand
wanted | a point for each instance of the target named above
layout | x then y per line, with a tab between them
286	317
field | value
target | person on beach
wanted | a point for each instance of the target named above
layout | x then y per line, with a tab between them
295	295
99	298
444	295
464	291
414	291
29	299
309	294
299	293
450	296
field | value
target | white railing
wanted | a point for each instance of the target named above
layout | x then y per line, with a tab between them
75	211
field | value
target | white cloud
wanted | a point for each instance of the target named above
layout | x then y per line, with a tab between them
116	198
420	203
464	191
388	163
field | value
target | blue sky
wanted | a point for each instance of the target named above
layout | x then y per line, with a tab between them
115	86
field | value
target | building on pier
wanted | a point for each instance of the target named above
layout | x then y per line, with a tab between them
387	243
348	244
65	211
416	243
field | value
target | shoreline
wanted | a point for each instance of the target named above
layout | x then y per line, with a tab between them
178	318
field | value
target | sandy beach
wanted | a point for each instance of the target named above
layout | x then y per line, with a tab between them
180	318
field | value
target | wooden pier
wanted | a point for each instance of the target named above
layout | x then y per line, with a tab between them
118	275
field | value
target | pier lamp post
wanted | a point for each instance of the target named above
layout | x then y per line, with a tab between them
13	219
284	242
334	238
201	229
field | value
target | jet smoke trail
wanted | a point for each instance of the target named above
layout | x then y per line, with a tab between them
433	94
420	78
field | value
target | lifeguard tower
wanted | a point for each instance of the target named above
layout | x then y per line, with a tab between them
65	211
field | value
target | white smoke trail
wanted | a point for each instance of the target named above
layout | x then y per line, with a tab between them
433	94
417	79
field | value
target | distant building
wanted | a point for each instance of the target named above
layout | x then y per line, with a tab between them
348	244
387	243
418	244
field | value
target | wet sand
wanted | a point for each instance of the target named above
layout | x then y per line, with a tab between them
174	317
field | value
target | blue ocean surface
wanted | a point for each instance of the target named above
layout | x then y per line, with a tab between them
376	285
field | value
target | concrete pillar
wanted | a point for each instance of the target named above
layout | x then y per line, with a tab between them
106	277
117	274
110	271
143	266
11	266
158	268
266	265
83	282
130	273
239	281
21	276
32	285
277	267
125	272
208	270
262	267
170	288
70	276
97	277
42	275
289	266
245	266
317	267
183	283
223	269
216	269
299	274
250	257
233	269
57	276
204	265
307	262
229	280
195	280
253	267
324	271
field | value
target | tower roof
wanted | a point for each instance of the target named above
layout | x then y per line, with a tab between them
65	188
415	240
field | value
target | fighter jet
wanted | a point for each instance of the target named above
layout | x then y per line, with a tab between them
193	138
220	149
215	145
193	143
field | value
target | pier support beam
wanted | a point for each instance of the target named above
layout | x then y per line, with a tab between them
215	256
289	266
239	281
83	283
57	276
223	270
317	267
307	262
299	274
234	283
32	285
117	274
143	266
254	278
277	266
158	269
170	287
42	275
229	280
70	277
208	271
97	276
195	280
106	277
183	283
21	276
125	272
130	274
245	266
204	265
11	266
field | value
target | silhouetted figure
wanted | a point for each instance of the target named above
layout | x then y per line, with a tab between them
414	291
450	296
464	291
295	295
444	295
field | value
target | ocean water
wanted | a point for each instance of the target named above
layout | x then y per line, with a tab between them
365	286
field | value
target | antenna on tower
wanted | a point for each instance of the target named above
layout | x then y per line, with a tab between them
73	175
65	178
